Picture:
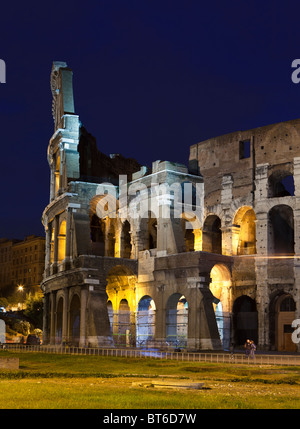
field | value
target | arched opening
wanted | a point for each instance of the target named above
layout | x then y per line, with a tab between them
244	232
126	246
220	288
59	319
74	326
177	320
62	242
124	326
189	238
149	229
282	314
120	289
281	230
281	184
192	231
110	312
212	235
57	175
52	245
111	240
97	228
145	321
245	321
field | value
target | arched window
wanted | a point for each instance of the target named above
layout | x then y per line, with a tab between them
126	240
244	232
62	242
245	321
281	184
145	321
177	320
281	230
57	175
212	235
97	227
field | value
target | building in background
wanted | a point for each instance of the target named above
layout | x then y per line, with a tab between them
22	263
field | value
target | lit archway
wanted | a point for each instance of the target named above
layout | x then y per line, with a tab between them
57	175
120	291
62	242
145	321
220	287
177	320
244	232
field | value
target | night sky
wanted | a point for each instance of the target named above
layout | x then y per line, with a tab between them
151	78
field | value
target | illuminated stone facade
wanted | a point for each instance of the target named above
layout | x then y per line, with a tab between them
190	257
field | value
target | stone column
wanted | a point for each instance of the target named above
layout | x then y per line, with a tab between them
48	251
65	316
262	302
83	308
52	318
68	238
46	319
160	317
261	182
55	244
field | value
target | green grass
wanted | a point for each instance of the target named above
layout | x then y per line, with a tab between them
50	381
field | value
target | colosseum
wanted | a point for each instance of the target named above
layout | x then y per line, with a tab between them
194	257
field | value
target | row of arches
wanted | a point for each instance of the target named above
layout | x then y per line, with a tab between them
134	323
209	238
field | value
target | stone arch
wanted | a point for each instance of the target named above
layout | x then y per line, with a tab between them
74	319
111	238
145	325
281	315
97	231
57	174
62	240
212	234
192	231
281	184
126	246
120	290
245	320
148	226
281	230
59	319
177	320
220	287
244	231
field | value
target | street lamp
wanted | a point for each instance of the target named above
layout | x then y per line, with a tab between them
21	290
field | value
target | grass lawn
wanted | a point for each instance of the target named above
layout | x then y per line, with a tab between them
50	381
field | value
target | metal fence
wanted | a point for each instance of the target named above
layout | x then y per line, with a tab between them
222	358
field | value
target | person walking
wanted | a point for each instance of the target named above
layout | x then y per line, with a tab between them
252	349
247	347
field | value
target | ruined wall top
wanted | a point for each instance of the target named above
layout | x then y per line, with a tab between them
62	91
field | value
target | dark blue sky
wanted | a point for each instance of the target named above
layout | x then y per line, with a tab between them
151	78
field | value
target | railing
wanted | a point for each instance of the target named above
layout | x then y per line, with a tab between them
237	358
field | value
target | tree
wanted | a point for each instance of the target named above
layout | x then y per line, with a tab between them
34	309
